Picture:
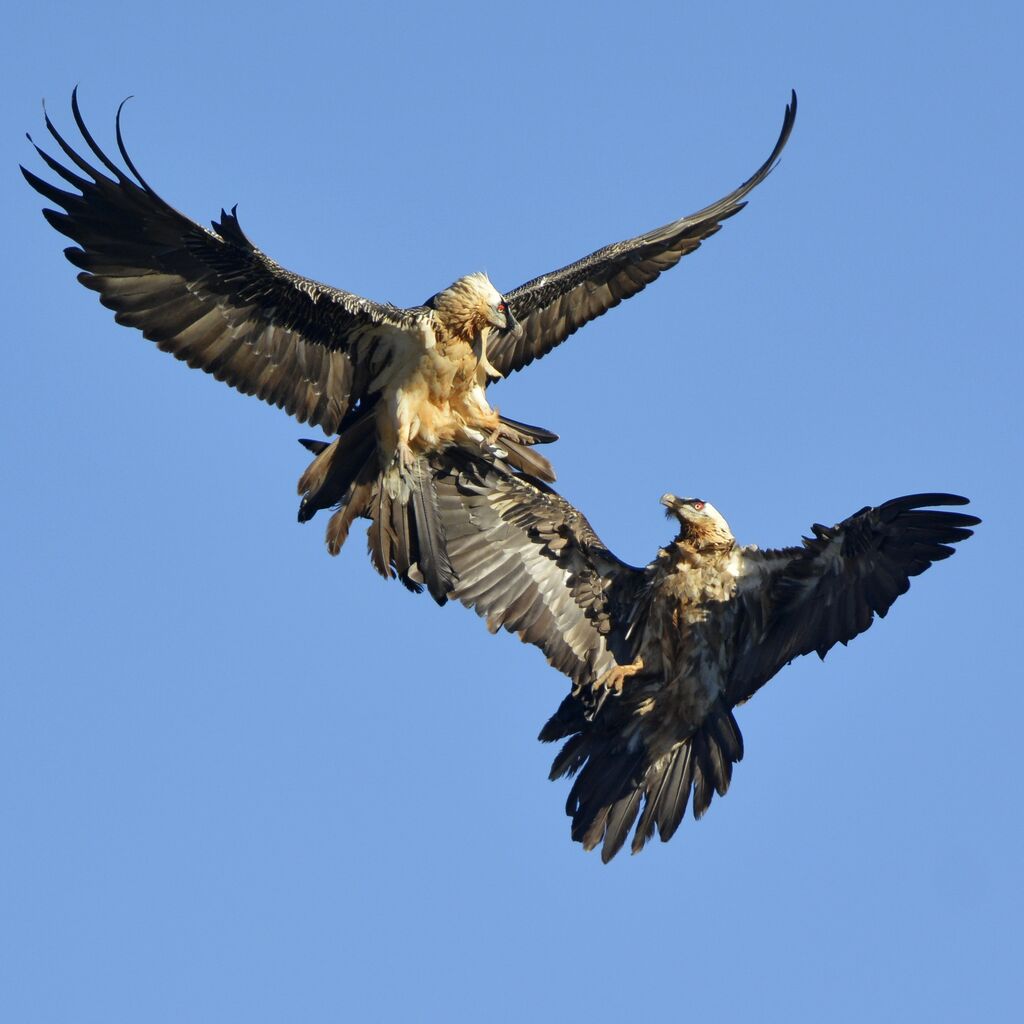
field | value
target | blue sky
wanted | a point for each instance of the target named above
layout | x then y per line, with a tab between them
241	780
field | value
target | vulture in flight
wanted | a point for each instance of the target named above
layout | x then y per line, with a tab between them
395	387
660	656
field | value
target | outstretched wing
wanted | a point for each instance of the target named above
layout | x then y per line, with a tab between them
550	308
529	562
803	599
211	298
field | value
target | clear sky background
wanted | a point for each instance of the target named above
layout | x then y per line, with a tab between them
243	781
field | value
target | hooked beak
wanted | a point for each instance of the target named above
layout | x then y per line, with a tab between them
511	323
672	506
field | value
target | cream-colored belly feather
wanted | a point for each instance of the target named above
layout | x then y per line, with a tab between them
441	400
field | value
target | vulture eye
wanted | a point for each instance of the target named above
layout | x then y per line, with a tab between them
698	505
501	307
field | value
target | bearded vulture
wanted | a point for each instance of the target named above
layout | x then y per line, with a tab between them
658	657
393	384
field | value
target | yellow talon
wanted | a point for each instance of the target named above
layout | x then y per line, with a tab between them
615	678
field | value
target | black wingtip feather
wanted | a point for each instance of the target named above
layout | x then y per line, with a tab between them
229	228
70	153
122	149
90	142
313	445
59	222
45	189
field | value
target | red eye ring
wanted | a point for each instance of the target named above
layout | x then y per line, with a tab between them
501	307
698	505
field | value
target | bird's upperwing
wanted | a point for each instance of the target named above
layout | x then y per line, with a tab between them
211	298
528	561
809	598
550	308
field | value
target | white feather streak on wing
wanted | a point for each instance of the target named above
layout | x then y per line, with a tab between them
735	564
510	553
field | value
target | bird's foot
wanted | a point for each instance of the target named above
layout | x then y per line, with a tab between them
404	458
615	678
495	435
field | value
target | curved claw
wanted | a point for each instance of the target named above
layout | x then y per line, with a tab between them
615	678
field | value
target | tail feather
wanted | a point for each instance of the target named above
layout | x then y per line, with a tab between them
403	553
314	476
726	748
620	820
341	522
618	779
515	439
703	773
525	433
338	467
378	539
570	758
676	775
520	457
670	807
568	719
405	536
431	545
598	787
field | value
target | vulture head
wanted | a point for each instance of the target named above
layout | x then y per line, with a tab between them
472	304
700	523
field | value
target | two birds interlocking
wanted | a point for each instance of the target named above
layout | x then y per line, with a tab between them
459	501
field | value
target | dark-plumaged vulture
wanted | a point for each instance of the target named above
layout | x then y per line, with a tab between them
658	657
393	384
